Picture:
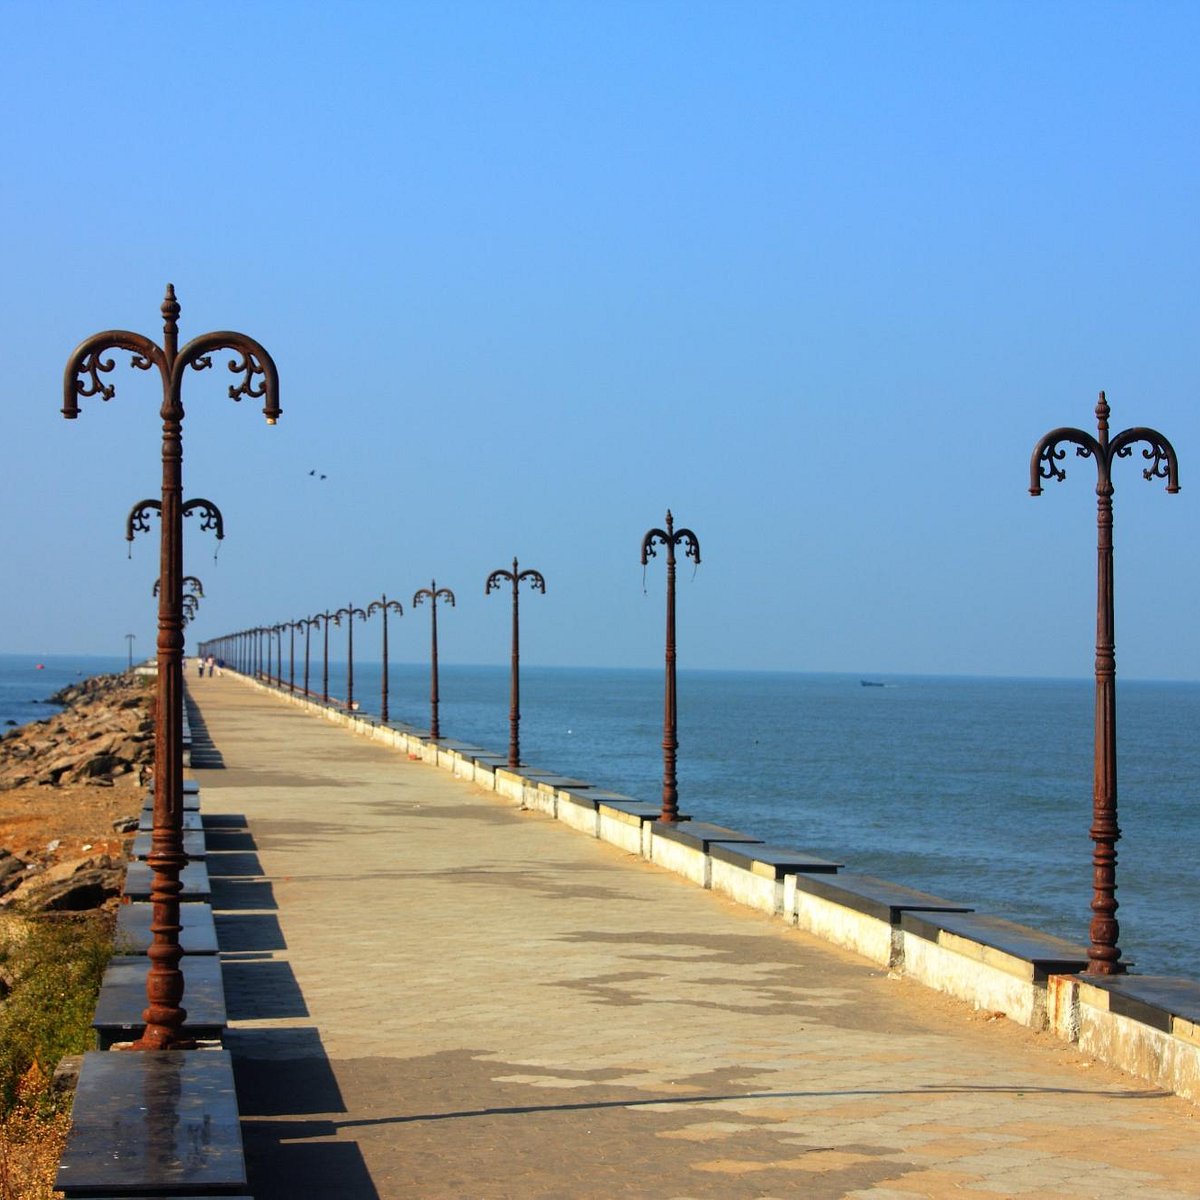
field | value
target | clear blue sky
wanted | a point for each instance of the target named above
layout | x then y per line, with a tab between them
815	275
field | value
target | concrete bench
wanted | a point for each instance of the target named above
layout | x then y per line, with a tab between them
122	998
858	912
987	961
198	934
194	877
753	874
626	823
1146	1024
154	1125
534	788
579	807
683	846
193	844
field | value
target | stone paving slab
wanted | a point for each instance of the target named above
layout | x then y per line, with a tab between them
482	1002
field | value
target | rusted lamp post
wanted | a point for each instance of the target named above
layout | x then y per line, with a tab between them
382	606
1104	955
324	618
349	612
308	623
292	626
670	537
538	584
164	1014
433	593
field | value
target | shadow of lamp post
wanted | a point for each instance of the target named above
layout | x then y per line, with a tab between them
164	1015
670	537
538	584
1104	955
382	606
433	593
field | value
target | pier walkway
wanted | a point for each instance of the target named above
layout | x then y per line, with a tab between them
432	994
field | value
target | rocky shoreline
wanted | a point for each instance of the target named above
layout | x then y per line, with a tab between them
70	789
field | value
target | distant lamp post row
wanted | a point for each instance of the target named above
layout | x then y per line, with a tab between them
1104	955
257	378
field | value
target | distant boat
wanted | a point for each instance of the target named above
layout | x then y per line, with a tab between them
40	667
871	683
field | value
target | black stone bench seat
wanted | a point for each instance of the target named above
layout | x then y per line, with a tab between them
197	936
874	897
191	820
592	797
700	834
1048	955
635	808
553	783
191	802
771	861
194	877
191	787
1153	1000
193	844
122	998
154	1125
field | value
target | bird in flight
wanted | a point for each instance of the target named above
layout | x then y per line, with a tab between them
318	476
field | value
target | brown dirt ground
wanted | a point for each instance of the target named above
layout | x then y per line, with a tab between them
77	815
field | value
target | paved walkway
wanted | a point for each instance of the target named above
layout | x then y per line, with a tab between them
434	995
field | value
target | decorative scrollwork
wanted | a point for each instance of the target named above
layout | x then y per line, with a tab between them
536	580
493	581
653	538
212	518
138	520
1049	452
250	367
1158	452
94	366
200	362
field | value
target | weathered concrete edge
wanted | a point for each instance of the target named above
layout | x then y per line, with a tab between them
1063	1004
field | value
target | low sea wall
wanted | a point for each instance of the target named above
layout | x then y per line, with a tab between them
1144	1024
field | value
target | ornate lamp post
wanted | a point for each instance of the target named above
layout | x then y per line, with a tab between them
382	605
1103	953
291	627
324	619
433	593
349	612
308	623
164	1014
538	584
670	537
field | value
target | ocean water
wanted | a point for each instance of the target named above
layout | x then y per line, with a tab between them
978	790
974	789
27	682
